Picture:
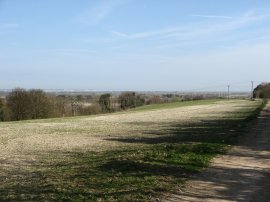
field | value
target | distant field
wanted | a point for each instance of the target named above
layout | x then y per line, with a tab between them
175	105
125	156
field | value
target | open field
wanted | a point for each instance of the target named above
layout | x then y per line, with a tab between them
124	156
241	174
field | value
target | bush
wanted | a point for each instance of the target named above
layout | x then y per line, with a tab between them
130	100
156	99
105	102
262	91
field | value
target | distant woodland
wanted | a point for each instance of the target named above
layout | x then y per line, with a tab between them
22	104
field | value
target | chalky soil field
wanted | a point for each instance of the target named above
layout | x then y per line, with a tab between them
130	156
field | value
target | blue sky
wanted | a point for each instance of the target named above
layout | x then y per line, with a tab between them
134	44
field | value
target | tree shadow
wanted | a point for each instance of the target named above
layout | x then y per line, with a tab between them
243	174
88	176
227	184
240	183
208	131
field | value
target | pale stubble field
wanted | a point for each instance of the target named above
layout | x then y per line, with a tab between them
61	156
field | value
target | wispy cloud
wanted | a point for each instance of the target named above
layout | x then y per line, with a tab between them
198	29
213	16
98	12
147	34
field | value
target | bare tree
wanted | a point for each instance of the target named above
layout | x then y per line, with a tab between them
18	102
40	104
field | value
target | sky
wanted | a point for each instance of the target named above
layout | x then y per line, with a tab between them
141	45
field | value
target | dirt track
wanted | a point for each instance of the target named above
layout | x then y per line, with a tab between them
243	174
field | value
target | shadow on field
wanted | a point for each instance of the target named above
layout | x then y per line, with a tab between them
145	169
246	177
230	180
216	131
226	185
243	174
88	176
132	174
122	175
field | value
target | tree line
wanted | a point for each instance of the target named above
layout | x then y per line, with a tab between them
21	104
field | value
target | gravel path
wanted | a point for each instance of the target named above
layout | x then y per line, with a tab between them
243	174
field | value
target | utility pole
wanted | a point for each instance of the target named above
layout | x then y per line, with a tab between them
252	88
228	96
